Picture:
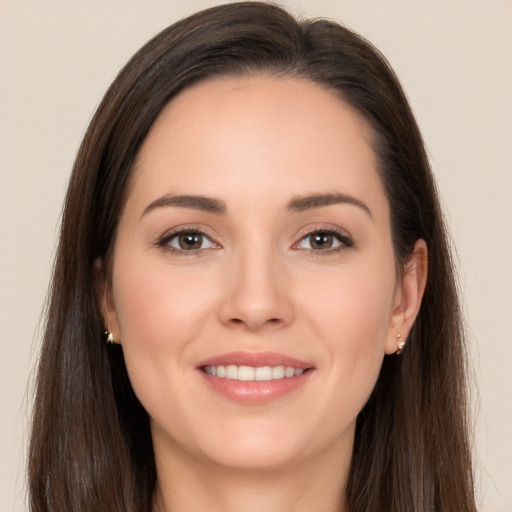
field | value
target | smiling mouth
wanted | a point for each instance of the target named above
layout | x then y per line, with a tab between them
253	378
250	373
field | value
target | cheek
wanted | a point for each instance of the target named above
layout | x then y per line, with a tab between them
350	314
155	304
351	303
159	313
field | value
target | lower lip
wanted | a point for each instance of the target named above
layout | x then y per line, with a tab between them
255	392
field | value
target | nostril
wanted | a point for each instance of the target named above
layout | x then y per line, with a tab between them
269	322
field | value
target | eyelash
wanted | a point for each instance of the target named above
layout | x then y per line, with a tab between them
164	240
345	241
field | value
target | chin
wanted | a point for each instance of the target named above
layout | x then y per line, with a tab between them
254	456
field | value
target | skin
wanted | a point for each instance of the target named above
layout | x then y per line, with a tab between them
256	143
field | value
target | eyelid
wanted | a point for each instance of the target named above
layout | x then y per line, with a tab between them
345	239
164	239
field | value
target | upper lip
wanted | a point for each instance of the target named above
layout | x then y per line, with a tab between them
255	359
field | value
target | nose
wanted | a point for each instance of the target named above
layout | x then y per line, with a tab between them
257	294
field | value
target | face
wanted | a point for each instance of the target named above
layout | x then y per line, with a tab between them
254	289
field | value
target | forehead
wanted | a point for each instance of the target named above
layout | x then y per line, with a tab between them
273	137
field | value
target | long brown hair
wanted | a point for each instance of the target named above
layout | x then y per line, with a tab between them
91	447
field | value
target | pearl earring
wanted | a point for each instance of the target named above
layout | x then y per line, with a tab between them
110	338
400	344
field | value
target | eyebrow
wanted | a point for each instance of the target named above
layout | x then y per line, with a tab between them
217	206
303	203
205	204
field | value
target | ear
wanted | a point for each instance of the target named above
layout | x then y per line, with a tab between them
105	299
408	295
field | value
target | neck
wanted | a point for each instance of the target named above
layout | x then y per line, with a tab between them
187	484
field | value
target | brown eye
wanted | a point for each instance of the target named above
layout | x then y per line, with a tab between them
324	241
190	241
321	240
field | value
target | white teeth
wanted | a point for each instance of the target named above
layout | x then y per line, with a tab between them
232	372
278	372
263	373
249	373
289	371
245	373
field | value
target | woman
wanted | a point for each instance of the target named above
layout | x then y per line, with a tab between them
253	221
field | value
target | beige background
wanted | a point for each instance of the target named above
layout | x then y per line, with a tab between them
455	61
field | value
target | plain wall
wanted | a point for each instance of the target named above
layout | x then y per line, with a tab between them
454	59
